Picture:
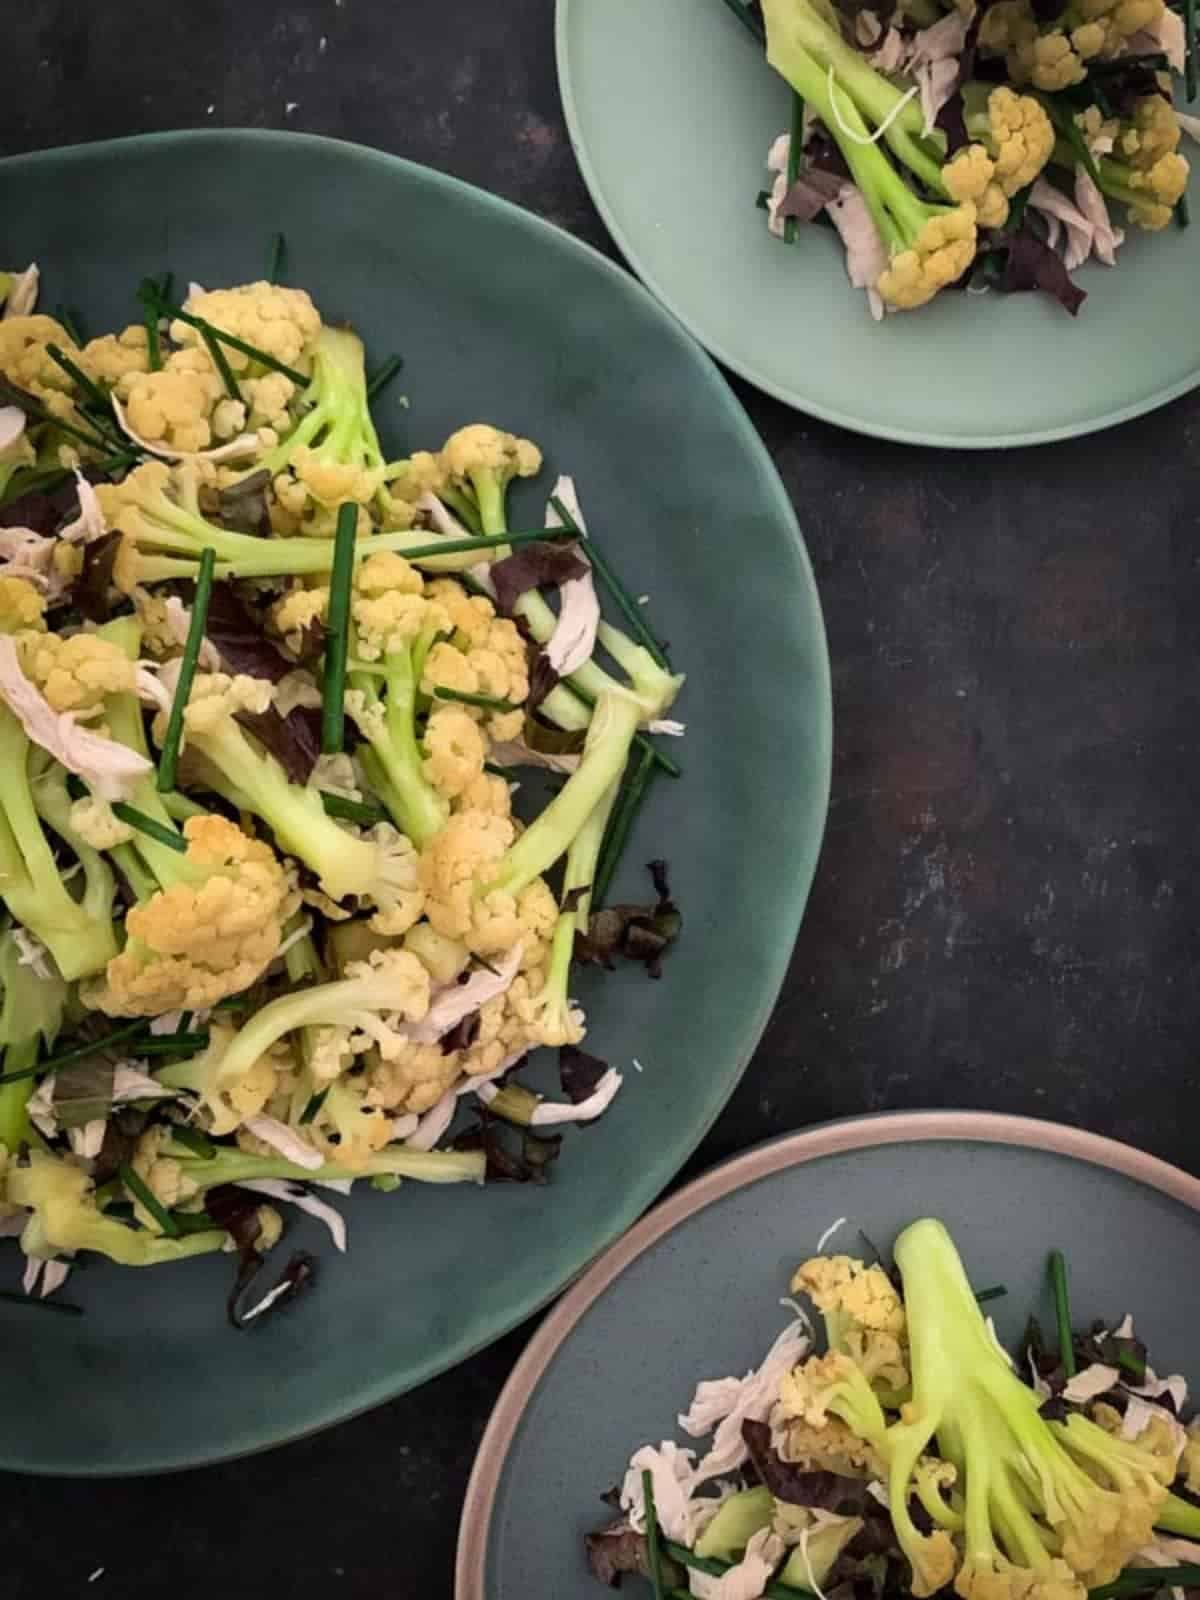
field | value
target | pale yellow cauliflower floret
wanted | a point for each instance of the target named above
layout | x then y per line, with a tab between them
488	792
413	1081
76	672
470	614
164	1176
941	253
1047	60
269	398
347	1129
479	447
283	322
175	406
389	621
459	855
865	1293
329	483
215	697
297	611
1156	191
1022	138
971	175
117	358
193	944
21	605
994	1578
405	895
385	571
455	750
95	823
23	360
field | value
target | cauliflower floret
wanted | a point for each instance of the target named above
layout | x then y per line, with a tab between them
1047	60
1156	191
216	696
405	897
479	447
1153	132
470	614
414	1080
1022	137
992	1578
347	1129
488	792
386	571
330	483
448	668
229	1105
971	175
1099	133
1189	1461
839	1285
174	407
269	398
117	358
23	359
388	621
162	1175
21	605
75	673
455	749
196	942
832	1447
297	611
940	254
282	322
94	822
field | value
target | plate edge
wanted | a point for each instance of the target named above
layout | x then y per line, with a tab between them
762	1161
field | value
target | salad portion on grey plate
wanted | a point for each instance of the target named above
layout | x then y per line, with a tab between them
995	1404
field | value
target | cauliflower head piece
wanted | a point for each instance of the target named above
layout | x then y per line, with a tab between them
196	942
941	252
283	322
75	672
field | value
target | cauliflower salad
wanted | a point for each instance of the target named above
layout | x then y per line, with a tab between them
269	919
978	144
913	1455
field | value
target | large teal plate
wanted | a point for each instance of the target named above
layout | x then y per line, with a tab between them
672	107
502	317
693	1292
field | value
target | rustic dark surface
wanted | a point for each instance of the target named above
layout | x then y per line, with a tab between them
1004	911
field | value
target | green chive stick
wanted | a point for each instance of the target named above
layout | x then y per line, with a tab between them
1062	1312
337	636
169	760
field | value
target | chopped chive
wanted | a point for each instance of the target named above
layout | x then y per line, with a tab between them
185	1022
1189	38
379	381
139	1191
628	805
336	805
748	19
12	1298
277	258
221	362
795	157
34	408
195	1222
209	330
483	541
996	1292
77	1053
314	1105
485	702
148	826
150	295
1062	1312
171	1044
337	634
652	1550
169	760
80	379
625	602
507	773
193	1140
69	317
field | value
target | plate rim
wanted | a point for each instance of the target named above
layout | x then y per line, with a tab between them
779	391
739	1172
638	1196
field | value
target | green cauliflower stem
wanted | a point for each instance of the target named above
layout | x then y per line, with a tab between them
239	1166
30	1016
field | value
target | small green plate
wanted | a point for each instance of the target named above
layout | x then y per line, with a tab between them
693	1292
499	316
672	108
